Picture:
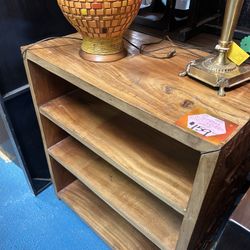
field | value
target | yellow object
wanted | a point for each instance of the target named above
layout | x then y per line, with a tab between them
84	12
99	46
236	54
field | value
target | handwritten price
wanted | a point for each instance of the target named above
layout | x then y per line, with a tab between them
201	130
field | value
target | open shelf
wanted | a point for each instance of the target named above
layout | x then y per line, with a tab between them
115	230
142	153
156	220
152	177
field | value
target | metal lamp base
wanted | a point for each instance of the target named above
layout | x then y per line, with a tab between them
228	77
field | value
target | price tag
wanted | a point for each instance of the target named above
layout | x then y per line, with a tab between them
236	54
207	126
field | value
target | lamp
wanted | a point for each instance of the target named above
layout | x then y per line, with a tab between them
217	70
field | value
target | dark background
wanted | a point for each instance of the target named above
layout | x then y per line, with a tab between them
244	21
23	22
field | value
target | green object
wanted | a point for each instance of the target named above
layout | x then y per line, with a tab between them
245	44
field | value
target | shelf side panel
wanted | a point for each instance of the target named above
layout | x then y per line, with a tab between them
45	86
227	181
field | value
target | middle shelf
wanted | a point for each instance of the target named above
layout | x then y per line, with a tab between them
157	221
147	156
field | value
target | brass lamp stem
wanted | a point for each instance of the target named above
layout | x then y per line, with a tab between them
217	70
232	13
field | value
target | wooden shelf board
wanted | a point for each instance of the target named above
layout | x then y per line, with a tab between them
111	227
157	221
147	89
144	154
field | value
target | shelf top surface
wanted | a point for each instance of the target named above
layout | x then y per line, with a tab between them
149	89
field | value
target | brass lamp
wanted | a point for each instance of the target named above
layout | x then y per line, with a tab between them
218	70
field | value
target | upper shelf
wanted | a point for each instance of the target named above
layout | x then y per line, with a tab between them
144	154
145	88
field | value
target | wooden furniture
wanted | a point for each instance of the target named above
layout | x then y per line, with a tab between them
116	154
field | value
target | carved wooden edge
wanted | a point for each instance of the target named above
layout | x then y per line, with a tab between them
226	184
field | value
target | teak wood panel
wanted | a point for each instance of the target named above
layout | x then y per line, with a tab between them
147	156
148	214
115	230
147	89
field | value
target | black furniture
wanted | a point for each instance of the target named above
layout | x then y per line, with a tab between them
24	22
243	27
183	21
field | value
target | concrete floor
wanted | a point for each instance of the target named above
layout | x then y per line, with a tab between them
30	223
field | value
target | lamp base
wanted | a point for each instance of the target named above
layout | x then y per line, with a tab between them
201	70
103	58
102	49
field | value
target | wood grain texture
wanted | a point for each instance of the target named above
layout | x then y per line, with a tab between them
43	87
62	177
116	231
147	156
228	179
202	179
46	86
148	214
147	89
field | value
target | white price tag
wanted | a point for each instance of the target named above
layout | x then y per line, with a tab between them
206	125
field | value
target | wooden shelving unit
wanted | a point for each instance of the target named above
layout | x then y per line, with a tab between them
148	157
117	156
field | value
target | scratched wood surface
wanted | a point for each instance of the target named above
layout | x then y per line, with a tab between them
146	88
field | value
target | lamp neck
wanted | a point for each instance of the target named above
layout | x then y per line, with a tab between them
231	17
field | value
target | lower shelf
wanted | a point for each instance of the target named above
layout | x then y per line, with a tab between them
148	214
115	230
